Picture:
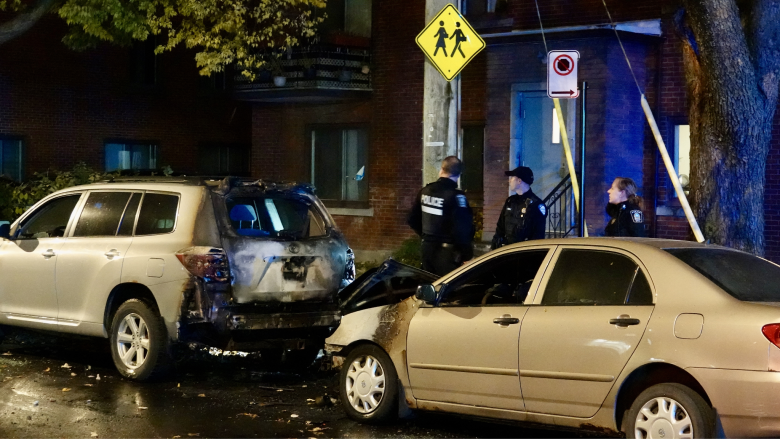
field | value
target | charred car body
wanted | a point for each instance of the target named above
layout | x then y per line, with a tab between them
234	264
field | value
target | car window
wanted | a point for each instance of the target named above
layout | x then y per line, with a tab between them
742	275
101	214
275	217
158	214
128	219
51	219
503	280
590	277
640	294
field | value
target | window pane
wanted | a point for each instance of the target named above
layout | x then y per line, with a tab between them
101	214
744	276
503	280
51	219
586	277
158	214
640	290
354	160
128	220
357	18
473	150
121	156
221	160
11	159
328	174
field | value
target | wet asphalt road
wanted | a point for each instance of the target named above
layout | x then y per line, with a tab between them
50	388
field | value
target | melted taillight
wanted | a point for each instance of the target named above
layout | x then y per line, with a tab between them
207	263
772	333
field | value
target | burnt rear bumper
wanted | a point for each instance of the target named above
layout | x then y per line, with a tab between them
252	321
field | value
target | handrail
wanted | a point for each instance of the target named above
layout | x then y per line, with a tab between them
562	219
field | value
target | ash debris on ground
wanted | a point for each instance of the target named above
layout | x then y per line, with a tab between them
207	396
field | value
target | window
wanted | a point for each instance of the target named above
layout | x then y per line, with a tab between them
588	277
221	160
101	214
504	280
744	276
50	220
480	7
11	158
682	156
351	17
286	218
130	156
338	164
158	214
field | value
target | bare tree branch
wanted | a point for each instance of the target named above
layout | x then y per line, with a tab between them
24	21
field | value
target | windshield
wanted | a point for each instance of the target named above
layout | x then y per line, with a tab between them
744	276
275	217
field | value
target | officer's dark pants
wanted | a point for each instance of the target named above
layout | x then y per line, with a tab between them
439	258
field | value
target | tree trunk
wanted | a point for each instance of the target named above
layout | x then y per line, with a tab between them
24	20
732	92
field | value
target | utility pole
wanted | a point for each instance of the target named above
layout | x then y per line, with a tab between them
441	109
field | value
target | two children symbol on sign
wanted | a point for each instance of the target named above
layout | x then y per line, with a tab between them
442	37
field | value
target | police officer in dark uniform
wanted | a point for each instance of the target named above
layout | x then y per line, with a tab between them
625	214
441	215
524	215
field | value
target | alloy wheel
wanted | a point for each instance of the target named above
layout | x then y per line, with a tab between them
663	418
365	384
132	341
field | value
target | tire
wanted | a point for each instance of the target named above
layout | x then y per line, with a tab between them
368	385
656	410
139	341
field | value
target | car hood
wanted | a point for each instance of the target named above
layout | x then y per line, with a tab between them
387	284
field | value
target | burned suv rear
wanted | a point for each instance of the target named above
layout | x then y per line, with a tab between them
272	283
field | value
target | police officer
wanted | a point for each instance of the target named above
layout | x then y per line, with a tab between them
524	215
441	215
625	215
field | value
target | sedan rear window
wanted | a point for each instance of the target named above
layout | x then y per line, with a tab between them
744	276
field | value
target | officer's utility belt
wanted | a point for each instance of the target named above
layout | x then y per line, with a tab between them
441	244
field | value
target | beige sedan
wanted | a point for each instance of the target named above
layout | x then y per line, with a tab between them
655	338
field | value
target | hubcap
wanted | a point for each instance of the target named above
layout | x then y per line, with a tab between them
132	341
663	418
365	384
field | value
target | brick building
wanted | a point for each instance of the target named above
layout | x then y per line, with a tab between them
347	115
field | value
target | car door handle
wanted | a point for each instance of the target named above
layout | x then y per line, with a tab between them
111	254
506	320
624	321
49	253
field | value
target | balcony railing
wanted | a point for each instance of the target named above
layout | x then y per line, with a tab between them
320	67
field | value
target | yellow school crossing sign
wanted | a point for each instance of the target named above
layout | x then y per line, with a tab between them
450	42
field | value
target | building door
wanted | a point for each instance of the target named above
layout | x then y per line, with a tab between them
535	135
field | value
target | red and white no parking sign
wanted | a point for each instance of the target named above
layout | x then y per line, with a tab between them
562	74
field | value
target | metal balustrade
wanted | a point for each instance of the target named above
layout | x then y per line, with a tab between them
562	218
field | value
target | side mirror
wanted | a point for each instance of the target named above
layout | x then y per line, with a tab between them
5	231
426	293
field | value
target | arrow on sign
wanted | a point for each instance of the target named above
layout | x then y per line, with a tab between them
570	92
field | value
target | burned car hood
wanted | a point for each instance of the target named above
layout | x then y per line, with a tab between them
388	284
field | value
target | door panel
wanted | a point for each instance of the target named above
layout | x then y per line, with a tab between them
570	356
579	335
459	355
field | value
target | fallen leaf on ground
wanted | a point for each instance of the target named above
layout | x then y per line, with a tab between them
98	377
94	434
8	354
251	415
73	374
65	366
193	434
176	437
280	390
309	399
202	395
142	408
303	385
48	369
88	385
91	376
66	389
293	415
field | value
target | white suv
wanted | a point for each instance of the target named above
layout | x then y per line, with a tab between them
146	262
